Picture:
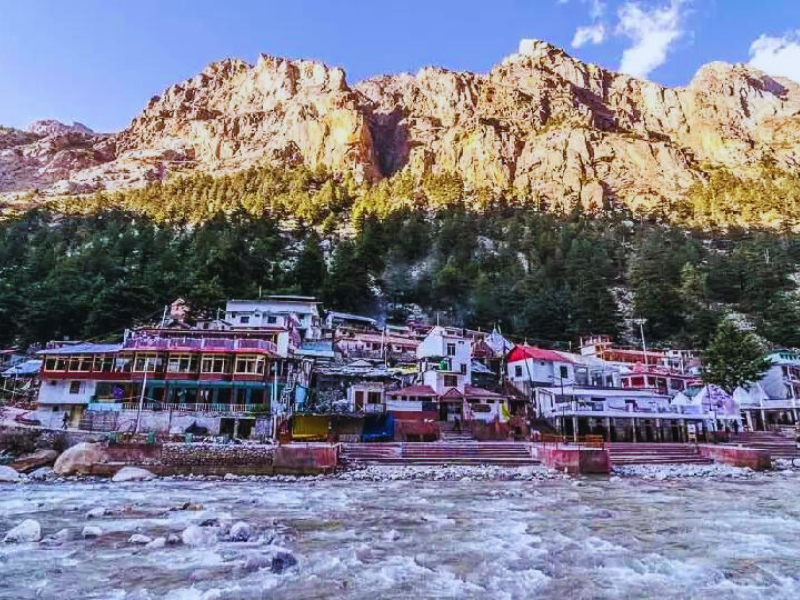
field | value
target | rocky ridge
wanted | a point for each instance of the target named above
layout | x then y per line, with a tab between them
540	122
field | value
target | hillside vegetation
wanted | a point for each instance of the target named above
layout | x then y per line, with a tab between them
91	266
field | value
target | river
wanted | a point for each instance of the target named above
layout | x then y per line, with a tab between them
563	538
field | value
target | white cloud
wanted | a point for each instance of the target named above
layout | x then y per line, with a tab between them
653	33
780	57
590	34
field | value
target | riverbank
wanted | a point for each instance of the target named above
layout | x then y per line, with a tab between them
449	473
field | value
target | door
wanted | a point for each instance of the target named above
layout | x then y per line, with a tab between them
359	399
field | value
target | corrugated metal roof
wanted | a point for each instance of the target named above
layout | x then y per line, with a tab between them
84	348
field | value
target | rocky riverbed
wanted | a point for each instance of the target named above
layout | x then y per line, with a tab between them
383	532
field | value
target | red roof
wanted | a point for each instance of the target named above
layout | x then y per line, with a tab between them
536	353
414	390
452	393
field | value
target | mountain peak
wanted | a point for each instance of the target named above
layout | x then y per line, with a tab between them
46	127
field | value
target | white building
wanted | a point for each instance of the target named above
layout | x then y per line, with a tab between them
274	311
529	367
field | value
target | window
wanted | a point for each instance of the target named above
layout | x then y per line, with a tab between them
373	397
250	365
463	368
451	349
272	320
147	363
564	372
214	364
80	363
104	363
182	363
55	363
244	320
74	387
450	381
518	371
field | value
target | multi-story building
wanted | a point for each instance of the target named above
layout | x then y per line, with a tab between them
530	367
161	370
443	389
275	311
775	400
372	345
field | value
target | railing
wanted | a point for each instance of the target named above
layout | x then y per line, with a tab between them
194	407
199	344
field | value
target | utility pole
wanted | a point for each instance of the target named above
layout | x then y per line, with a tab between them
141	399
640	323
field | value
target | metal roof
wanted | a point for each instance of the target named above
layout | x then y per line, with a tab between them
83	348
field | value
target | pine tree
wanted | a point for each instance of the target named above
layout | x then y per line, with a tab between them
733	358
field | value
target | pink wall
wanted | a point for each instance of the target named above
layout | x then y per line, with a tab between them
575	460
737	456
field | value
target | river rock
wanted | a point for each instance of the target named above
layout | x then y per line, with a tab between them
27	531
42	474
282	561
138	538
96	513
132	474
89	532
173	540
156	544
40	458
198	536
8	475
240	532
80	459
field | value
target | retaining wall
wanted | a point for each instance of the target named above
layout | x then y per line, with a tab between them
575	460
737	456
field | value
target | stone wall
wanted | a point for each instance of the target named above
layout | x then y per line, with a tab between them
215	459
28	439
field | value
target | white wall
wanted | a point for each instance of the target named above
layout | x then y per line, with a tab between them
540	371
56	391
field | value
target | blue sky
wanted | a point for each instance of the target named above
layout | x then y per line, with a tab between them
99	61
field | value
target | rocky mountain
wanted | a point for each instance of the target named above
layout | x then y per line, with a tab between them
541	121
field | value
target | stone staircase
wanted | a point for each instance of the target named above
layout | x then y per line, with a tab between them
439	453
449	434
623	453
779	445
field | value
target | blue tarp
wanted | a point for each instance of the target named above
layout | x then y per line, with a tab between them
378	428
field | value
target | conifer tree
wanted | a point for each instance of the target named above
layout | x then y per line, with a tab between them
733	358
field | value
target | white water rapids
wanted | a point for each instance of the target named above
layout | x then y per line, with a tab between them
550	538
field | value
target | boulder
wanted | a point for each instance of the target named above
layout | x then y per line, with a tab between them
173	540
198	536
240	532
90	533
138	538
96	513
132	474
30	462
27	531
282	562
8	475
156	544
80	459
42	474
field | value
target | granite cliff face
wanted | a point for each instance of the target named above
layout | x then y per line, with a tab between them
541	122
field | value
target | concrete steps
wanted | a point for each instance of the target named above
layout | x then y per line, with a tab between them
440	453
777	444
654	454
